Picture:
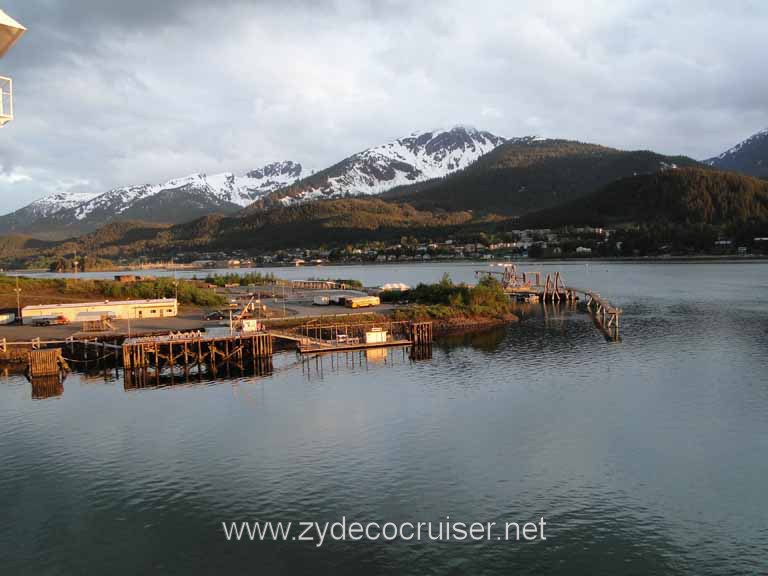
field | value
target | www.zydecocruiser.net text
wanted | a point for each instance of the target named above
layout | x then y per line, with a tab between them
344	530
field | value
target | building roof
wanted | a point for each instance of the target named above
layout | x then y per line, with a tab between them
156	301
10	31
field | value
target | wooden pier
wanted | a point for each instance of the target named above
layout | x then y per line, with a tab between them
196	349
606	316
313	338
528	287
210	351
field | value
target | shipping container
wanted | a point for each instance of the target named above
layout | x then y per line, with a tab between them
376	336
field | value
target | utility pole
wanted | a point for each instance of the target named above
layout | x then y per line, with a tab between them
175	282
18	299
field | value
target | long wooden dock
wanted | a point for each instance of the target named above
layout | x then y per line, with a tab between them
606	316
528	287
211	350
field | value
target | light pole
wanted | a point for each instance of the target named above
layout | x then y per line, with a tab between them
18	299
175	282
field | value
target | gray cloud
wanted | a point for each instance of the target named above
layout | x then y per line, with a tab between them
115	93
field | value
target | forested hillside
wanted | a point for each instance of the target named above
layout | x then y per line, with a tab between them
331	222
531	174
677	200
682	197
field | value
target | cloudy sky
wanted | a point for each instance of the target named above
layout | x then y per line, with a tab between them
111	93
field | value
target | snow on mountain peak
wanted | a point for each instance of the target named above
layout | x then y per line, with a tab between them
740	146
57	201
415	158
748	157
223	188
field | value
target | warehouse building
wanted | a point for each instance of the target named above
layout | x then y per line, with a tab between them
117	309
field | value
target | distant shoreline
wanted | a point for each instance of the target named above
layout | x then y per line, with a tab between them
703	258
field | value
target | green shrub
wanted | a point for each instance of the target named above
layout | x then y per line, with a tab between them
446	299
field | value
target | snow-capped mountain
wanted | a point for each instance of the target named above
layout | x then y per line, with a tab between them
42	208
218	189
174	201
748	157
416	158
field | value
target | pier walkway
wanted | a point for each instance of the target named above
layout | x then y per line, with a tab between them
528	287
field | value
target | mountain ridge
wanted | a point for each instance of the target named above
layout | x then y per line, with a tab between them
171	202
683	201
685	197
750	156
528	174
414	158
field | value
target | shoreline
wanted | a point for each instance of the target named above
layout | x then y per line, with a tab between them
441	327
694	259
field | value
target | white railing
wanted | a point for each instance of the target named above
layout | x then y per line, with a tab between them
6	100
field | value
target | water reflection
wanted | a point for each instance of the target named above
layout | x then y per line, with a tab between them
48	386
644	457
351	361
487	340
148	378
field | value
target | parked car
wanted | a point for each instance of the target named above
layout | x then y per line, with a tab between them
217	315
57	321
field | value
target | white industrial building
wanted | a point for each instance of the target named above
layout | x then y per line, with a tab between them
117	309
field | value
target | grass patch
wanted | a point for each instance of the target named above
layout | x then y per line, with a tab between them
62	290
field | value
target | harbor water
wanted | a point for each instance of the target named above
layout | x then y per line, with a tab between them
646	456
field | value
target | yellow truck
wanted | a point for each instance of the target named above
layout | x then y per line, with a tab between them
362	301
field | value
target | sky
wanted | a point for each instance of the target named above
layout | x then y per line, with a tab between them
113	93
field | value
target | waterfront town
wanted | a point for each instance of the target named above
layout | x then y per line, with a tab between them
544	243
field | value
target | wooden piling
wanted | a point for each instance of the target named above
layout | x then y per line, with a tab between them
45	362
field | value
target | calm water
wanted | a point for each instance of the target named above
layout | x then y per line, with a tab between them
645	457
